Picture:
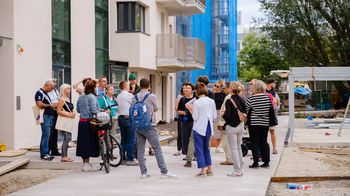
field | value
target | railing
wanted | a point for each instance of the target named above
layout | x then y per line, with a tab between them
174	49
199	3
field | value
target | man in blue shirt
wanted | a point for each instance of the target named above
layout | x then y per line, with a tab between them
43	101
101	88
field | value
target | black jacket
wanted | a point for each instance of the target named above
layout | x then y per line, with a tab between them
231	115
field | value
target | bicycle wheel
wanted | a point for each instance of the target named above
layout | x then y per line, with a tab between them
115	153
104	155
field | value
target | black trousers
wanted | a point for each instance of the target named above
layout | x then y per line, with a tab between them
186	128
53	137
258	136
179	136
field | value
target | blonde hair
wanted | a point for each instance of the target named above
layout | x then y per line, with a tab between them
259	87
62	88
236	88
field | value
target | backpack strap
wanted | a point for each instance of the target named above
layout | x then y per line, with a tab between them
137	99
144	99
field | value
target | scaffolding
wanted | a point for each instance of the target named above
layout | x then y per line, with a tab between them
224	40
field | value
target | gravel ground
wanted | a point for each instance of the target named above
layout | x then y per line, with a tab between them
323	188
24	178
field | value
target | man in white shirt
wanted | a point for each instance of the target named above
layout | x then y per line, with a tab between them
128	135
54	96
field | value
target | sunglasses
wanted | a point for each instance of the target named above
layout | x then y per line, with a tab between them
216	86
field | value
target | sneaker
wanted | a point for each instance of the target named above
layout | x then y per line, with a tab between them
234	174
188	164
274	152
210	173
131	163
86	167
178	153
144	176
56	153
47	158
168	176
265	165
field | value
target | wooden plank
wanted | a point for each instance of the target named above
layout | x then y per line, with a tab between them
33	148
13	165
283	179
12	153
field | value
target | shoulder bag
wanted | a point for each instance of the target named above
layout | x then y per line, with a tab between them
65	123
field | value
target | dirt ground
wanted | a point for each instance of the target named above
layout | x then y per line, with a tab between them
314	162
24	178
300	162
322	188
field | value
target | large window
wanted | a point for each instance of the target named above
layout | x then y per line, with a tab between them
131	17
61	41
101	37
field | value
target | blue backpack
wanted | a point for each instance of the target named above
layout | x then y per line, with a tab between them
140	119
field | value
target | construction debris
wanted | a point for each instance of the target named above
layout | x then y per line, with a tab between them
12	153
13	165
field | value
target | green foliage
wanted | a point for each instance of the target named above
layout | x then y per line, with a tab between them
258	57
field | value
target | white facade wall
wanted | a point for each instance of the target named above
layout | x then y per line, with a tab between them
82	41
32	30
7	103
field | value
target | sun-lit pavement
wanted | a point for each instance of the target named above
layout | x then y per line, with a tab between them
125	180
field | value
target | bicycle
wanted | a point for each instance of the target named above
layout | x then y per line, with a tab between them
110	149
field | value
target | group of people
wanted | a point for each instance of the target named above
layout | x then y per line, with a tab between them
221	116
94	97
202	113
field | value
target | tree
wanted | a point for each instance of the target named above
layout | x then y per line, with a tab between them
310	32
258	57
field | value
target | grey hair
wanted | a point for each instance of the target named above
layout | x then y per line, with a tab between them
259	87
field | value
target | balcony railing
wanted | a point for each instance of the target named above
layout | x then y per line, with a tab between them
175	52
183	7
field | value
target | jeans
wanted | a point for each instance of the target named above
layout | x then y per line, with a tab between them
46	127
128	138
53	137
67	136
190	150
152	137
234	136
201	144
258	136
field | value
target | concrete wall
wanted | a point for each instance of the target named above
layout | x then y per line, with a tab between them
82	41
32	30
7	103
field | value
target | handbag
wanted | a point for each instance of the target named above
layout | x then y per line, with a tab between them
65	123
242	116
272	117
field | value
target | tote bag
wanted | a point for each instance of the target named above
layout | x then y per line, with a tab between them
65	123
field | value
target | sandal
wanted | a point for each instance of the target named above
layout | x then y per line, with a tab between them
67	160
210	173
274	152
201	175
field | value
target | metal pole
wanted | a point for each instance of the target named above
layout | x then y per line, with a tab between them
291	123
342	123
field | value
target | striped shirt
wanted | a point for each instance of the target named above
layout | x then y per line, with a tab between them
259	106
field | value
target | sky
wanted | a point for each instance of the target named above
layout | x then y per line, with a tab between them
250	10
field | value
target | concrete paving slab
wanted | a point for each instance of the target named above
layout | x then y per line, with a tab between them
125	180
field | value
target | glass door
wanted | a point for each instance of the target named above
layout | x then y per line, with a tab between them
118	72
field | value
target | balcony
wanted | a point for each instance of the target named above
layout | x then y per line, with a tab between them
183	7
175	52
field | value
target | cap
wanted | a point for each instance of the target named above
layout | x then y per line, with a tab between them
270	80
132	76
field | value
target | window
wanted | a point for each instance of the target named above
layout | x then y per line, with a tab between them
131	17
101	38
61	38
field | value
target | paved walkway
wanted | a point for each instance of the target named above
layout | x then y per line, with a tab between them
126	180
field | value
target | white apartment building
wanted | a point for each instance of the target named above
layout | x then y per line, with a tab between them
74	39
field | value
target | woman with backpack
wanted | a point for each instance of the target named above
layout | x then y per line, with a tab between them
234	117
